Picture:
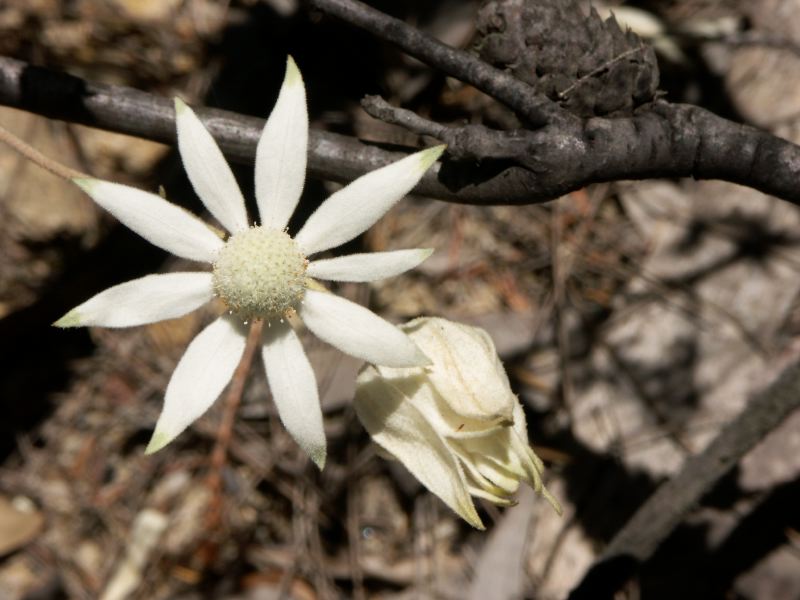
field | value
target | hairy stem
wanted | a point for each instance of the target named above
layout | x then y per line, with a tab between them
36	157
231	404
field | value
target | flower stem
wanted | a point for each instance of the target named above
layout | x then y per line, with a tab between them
231	404
32	154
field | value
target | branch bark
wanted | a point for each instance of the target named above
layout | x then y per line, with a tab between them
332	156
564	152
660	140
489	166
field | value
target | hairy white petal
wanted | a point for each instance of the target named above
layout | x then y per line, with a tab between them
202	373
281	152
159	222
294	389
464	397
208	171
398	427
358	331
354	208
367	267
469	376
141	301
498	468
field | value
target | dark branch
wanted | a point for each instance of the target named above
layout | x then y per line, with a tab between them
657	518
565	153
517	95
485	167
125	110
660	140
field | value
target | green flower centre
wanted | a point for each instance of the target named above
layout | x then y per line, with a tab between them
260	273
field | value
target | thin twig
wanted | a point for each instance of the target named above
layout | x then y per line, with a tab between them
231	404
605	66
353	527
559	305
516	94
467	142
36	157
378	108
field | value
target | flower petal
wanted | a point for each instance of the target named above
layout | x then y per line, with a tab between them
141	301
281	152
469	376
355	207
294	389
358	331
208	170
399	428
479	492
367	267
159	222
501	470
202	373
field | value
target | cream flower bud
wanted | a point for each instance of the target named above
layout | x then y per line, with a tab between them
455	425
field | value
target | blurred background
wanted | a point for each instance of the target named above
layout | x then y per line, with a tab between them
634	318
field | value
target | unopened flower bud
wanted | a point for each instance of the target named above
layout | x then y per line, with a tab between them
456	425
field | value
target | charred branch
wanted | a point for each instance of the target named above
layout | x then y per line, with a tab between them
660	140
125	110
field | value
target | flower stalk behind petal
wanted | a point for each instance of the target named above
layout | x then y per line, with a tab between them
202	373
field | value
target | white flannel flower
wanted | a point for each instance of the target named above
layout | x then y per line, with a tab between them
259	272
456	425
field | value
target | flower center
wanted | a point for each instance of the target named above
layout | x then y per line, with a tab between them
260	273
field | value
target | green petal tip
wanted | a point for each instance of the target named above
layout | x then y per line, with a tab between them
318	457
85	183
180	106
157	442
553	501
71	319
431	155
473	519
292	72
